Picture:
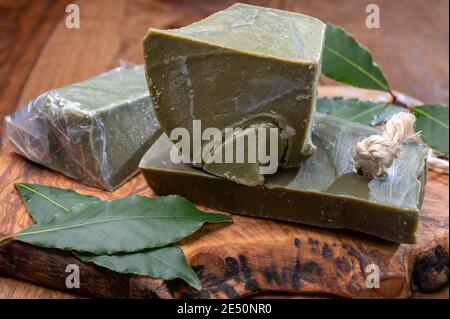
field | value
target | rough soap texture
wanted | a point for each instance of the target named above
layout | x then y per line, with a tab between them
95	131
324	192
242	66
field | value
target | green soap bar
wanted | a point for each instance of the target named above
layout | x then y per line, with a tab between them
241	66
242	170
95	131
325	191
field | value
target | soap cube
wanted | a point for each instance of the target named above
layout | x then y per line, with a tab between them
95	131
325	191
243	66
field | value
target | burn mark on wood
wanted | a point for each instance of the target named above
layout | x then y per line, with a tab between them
351	251
232	268
176	285
198	269
343	264
352	285
297	242
142	289
326	252
212	279
311	271
228	290
286	275
271	274
213	283
250	283
200	294
430	271
295	282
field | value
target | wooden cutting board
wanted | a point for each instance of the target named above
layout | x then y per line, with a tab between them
250	256
43	54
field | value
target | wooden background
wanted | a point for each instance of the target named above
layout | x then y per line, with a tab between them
38	53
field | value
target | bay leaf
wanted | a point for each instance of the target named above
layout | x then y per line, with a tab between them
432	122
365	112
123	225
347	61
44	202
166	263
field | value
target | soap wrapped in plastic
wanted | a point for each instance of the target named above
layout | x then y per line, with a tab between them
95	131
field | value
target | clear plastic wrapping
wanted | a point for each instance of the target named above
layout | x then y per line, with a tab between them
95	131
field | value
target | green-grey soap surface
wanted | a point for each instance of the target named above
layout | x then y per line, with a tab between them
325	191
95	131
245	65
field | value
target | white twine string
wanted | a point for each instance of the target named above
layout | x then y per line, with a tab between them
377	152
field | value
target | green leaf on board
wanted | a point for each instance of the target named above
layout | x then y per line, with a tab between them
347	61
432	123
167	263
44	202
123	225
365	112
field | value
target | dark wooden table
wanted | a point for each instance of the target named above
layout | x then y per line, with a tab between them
38	52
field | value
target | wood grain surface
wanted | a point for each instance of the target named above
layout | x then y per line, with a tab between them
39	53
244	259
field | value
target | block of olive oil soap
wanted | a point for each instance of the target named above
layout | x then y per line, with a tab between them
243	66
95	131
325	191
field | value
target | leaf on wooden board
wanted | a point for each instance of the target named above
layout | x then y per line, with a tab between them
123	225
365	112
167	263
347	61
44	202
432	122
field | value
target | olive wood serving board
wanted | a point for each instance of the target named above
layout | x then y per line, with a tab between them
249	257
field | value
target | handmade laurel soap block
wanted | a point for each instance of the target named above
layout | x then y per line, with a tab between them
326	191
242	66
95	131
